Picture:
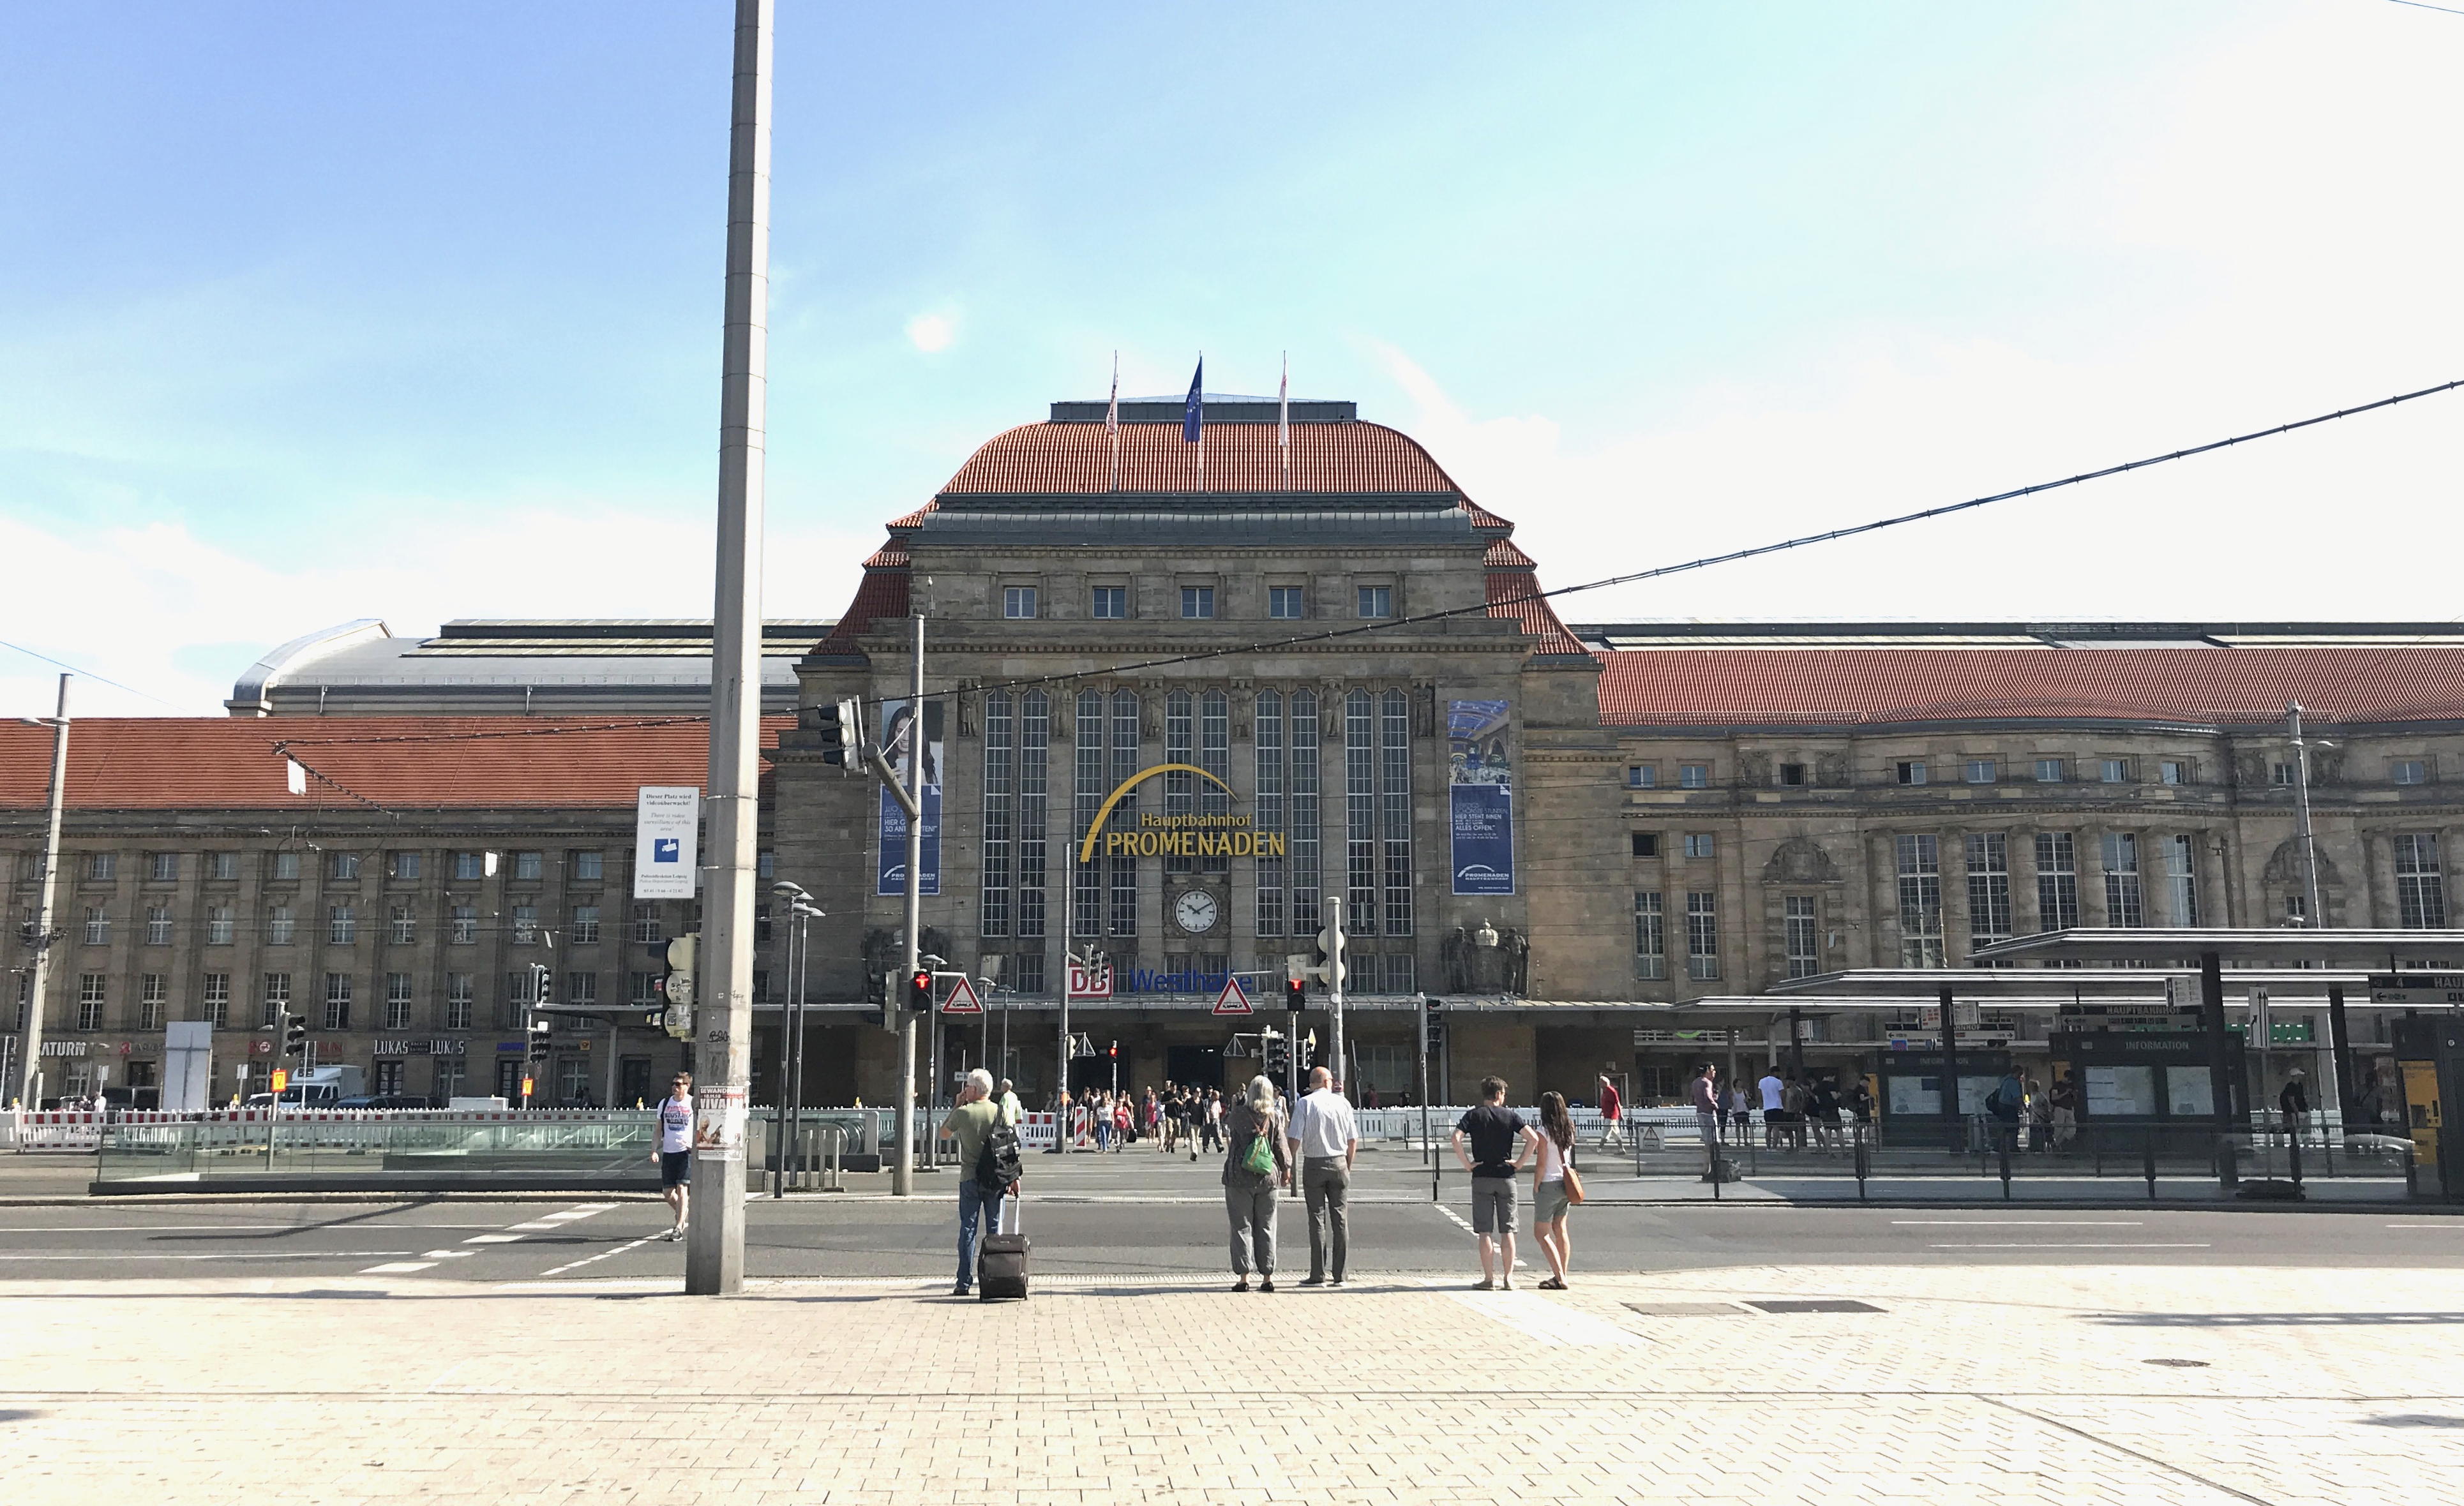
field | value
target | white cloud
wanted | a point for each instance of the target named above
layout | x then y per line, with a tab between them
932	332
135	603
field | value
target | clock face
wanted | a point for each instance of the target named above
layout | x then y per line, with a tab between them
1195	910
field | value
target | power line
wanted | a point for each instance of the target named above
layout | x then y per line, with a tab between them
91	675
1488	608
2423	5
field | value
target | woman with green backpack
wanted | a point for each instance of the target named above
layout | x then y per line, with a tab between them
1255	1163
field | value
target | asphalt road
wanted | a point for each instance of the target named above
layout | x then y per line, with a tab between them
1141	1217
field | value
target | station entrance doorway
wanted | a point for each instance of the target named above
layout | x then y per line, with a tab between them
1195	1065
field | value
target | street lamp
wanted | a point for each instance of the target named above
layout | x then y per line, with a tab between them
40	937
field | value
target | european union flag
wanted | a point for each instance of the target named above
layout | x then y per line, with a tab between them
1193	414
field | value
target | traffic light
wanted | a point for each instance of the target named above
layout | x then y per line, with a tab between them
1295	994
1279	1058
1436	1027
676	985
876	993
838	730
919	990
294	1036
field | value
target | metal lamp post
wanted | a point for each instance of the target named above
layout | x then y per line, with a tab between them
40	938
790	1038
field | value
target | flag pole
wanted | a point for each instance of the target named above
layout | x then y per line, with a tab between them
1112	421
1284	421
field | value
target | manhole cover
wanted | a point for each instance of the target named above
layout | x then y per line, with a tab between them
2178	1365
1825	1304
1683	1309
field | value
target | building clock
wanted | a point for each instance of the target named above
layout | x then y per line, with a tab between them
1196	911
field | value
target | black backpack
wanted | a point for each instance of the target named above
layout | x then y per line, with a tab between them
998	1166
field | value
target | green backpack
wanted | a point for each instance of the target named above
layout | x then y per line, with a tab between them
1260	1157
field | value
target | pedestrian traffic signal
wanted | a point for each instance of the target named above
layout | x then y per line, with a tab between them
1295	994
838	729
1279	1056
294	1036
919	990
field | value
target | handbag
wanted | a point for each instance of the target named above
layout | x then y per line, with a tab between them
1573	1182
1258	1160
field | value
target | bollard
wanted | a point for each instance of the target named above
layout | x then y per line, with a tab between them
1864	1164
2150	1144
2292	1156
2002	1153
2228	1163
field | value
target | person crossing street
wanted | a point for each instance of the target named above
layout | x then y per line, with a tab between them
674	1150
1325	1142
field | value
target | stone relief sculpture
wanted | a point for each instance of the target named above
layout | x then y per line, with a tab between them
1500	969
1799	860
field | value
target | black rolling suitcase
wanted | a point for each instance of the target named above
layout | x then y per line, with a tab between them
1000	1261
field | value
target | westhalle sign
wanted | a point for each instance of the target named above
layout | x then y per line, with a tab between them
1178	836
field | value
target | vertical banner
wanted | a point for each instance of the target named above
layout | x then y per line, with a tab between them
898	742
1480	795
667	819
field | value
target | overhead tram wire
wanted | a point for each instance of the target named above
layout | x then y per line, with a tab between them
1488	608
91	675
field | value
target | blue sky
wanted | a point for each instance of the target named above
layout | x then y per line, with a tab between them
411	309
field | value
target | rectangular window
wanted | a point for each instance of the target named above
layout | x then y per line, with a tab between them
1798	939
1378	802
1989	888
1215	757
90	999
338	1001
1694	776
766	864
219	925
1197	601
397	1005
1650	936
1982	771
402	925
286	866
1792	774
1920	873
1267	741
1285	602
98	925
1647	844
342	867
458	995
1125	749
402	865
1642	777
1702	934
102	867
2114	771
469	866
1912	770
643	988
1018	602
1110	602
2058	906
2280	774
530	866
581	988
341	925
1001	774
1377	600
162	867
2182	879
1027	970
153	992
2420	883
2049	771
277	998
158	925
2172	770
646	921
222	866
2411	770
216	1000
587	866
279	926
584	929
465	922
2122	904
1699	844
525	926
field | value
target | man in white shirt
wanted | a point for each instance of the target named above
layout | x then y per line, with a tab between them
1010	1108
1325	1140
1775	1091
674	1149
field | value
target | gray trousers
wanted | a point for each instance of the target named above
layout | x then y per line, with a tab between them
1326	1184
1253	1226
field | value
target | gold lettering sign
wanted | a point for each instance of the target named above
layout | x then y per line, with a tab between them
1178	836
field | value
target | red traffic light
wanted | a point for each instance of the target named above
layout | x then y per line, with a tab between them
921	981
1113	1051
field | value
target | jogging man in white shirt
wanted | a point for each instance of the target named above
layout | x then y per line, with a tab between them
1325	1142
675	1153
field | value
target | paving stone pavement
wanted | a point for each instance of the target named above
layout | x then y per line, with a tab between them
1970	1384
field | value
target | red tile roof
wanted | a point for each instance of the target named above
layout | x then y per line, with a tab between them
400	762
882	593
1076	458
1511	594
2202	687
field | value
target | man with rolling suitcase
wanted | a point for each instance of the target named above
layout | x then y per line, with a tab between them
974	1122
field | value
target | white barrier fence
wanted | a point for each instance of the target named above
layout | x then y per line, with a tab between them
81	1130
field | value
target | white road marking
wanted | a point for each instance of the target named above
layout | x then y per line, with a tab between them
2015	1223
493	1239
2449	1226
397	1267
1535	1317
447	1254
537	1226
601	1255
247	1255
1465	1225
154	1229
2032	1245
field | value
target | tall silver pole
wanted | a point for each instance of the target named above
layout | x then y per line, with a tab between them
902	1180
30	1066
1061	1099
1333	986
2318	915
723	1055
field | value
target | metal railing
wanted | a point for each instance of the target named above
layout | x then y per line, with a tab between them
476	1149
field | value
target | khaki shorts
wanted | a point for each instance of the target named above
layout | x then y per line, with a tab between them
1492	1205
1550	1204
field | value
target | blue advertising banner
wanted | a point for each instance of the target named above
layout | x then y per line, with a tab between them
1480	795
898	742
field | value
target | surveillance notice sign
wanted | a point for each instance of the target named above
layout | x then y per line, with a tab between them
667	821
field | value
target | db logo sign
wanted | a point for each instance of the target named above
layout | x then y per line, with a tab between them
1090	983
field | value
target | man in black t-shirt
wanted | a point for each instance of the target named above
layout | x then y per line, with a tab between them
1499	1140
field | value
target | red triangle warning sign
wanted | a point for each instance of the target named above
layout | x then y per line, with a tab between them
962	999
1232	1000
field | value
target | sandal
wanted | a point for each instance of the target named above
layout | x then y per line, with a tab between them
1552	1284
